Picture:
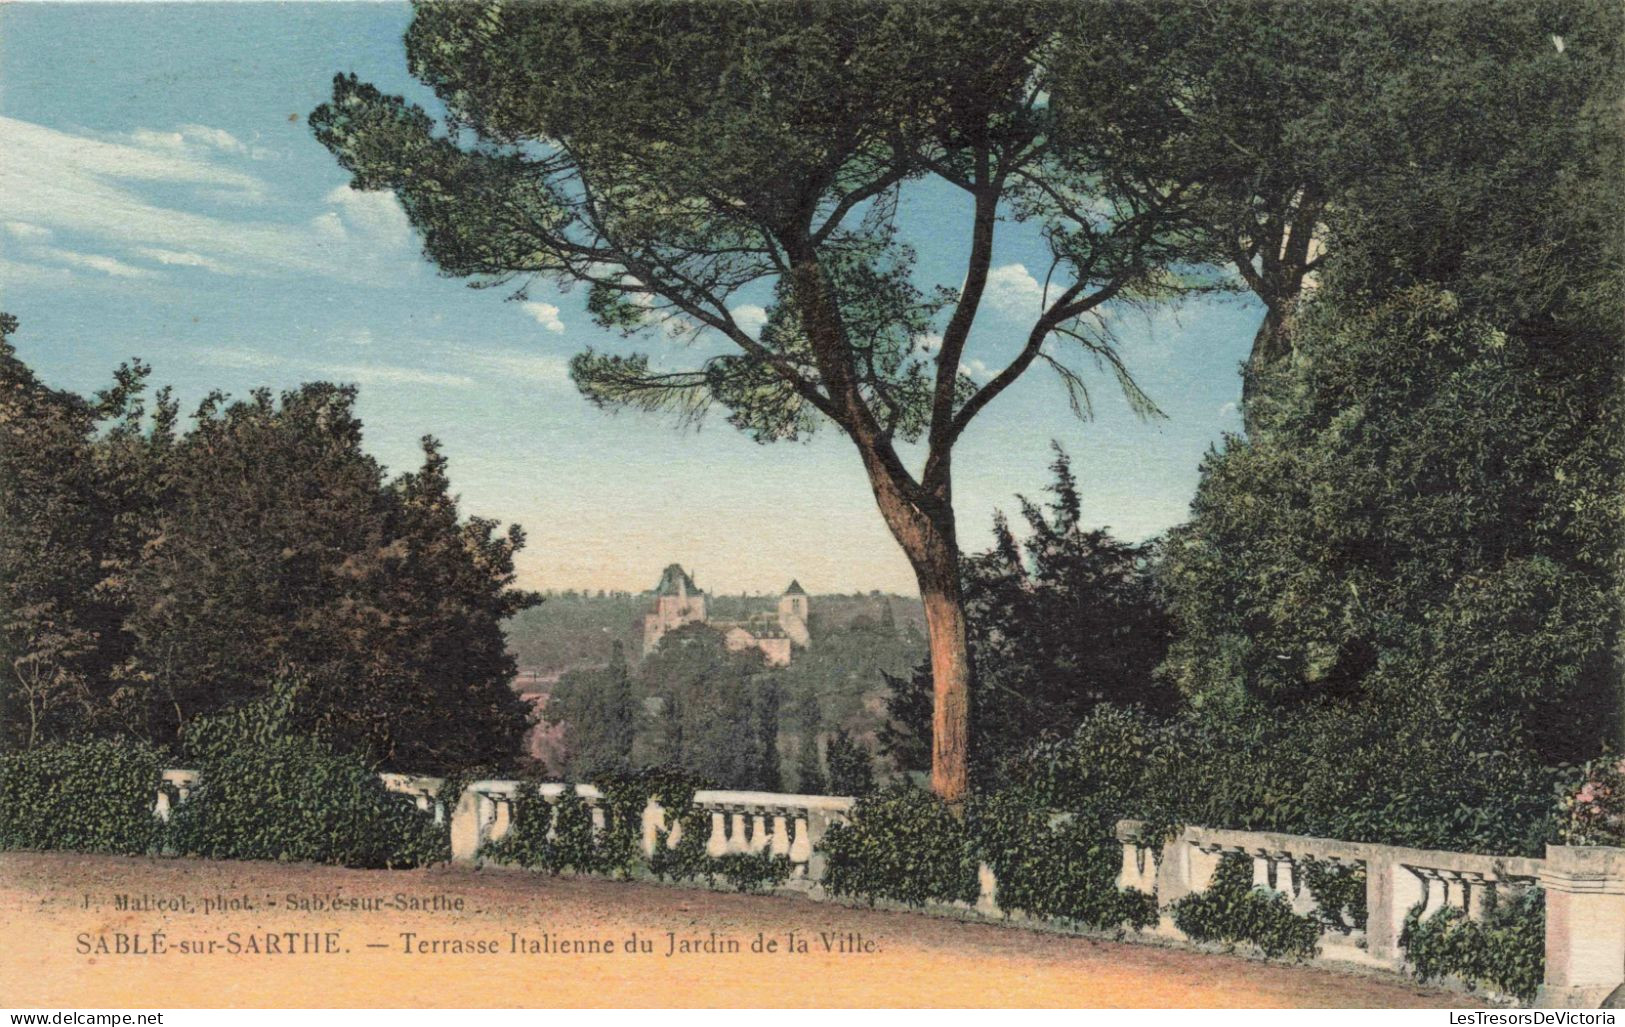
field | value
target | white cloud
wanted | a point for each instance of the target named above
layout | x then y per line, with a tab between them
378	214
24	230
81	185
234	356
177	258
532	367
242	357
976	369
749	316
1012	290
194	137
1229	410
384	374
546	315
94	262
929	343
34	153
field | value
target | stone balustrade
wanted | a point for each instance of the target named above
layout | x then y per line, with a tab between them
1584	886
1585	894
785	825
740	822
174	788
425	791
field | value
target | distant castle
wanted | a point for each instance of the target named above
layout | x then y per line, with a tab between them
679	602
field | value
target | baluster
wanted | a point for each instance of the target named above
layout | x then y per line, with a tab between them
1436	893
739	834
654	818
1261	870
1480	895
501	817
759	840
717	844
779	844
801	849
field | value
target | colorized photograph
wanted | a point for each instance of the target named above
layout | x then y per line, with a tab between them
805	504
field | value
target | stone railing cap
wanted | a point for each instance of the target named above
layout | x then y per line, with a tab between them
838	803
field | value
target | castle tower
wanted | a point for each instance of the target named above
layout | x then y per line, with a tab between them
677	602
794	612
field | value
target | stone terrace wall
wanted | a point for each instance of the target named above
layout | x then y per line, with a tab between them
1584	886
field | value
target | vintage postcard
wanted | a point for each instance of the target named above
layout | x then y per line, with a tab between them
564	504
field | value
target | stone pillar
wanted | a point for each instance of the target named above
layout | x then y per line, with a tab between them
818	822
1480	895
466	827
1585	927
1184	869
987	893
1391	889
654	820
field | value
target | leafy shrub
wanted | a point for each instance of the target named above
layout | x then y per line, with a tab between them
293	798
1325	769
1231	910
551	835
753	872
1339	892
687	860
1065	870
1506	949
903	845
94	796
1119	762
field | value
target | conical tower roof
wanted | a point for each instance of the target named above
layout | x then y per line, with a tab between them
675	581
795	589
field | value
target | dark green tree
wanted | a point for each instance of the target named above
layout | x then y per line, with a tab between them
1410	525
1424	514
711	722
851	768
1383	136
766	699
598	712
810	779
283	555
68	527
670	155
1061	622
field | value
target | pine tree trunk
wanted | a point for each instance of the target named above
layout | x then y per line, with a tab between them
950	681
928	539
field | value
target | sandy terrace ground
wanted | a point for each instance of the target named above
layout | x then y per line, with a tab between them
61	933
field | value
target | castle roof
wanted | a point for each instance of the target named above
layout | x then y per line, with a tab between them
795	589
675	581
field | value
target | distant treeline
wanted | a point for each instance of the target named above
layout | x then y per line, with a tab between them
728	717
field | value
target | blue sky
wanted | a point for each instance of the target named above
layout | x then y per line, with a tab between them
162	197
